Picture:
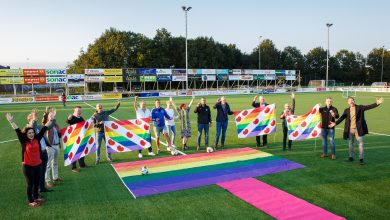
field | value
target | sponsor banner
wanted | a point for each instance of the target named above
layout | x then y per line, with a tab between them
92	97
5	100
55	72
147	71
73	98
11	80
164	71
147	78
149	94
195	71
222	77
112	72
321	89
131	72
112	96
94	71
47	98
232	91
248	72
11	72
290	72
281	90
269	77
56	79
22	99
179	78
208	71
236	71
258	77
167	94
130	78
178	71
111	78
256	72
267	72
200	93
195	78
92	78
222	71
246	77
208	78
267	91
75	80
307	89
34	80
234	77
164	78
280	72
290	77
34	72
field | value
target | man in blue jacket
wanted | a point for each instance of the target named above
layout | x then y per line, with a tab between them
158	117
223	110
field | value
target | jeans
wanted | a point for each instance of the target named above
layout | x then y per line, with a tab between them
325	134
43	170
204	127
285	136
101	136
352	135
52	163
172	128
32	175
221	126
258	143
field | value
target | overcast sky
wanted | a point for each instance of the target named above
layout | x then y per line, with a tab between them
43	33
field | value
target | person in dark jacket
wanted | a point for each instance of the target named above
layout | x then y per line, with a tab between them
288	110
99	117
204	122
328	115
355	125
71	120
223	110
260	104
31	156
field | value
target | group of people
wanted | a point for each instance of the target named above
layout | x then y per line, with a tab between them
41	142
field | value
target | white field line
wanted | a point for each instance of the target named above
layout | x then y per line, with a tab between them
165	144
124	183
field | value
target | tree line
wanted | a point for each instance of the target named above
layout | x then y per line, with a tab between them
126	49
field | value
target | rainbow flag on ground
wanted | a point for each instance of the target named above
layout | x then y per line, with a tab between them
78	141
127	135
195	170
305	126
257	121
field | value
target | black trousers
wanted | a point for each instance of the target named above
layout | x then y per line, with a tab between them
285	136
32	176
43	170
258	144
81	163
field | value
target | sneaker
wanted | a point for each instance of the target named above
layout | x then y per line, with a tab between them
33	204
350	159
333	157
58	180
139	155
168	149
49	184
97	162
151	154
362	162
197	148
75	170
158	151
324	155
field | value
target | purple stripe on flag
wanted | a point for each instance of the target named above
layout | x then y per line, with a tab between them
211	177
128	148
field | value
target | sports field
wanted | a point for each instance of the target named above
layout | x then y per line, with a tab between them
346	189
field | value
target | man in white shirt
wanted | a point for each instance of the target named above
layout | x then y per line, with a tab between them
143	112
170	124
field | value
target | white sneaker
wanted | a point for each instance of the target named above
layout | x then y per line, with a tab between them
139	155
151	154
168	149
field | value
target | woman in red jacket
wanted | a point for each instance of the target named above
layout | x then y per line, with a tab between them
31	157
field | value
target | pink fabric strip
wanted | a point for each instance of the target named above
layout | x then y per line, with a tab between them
275	202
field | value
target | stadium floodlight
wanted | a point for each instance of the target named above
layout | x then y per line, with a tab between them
327	57
383	55
186	9
259	51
